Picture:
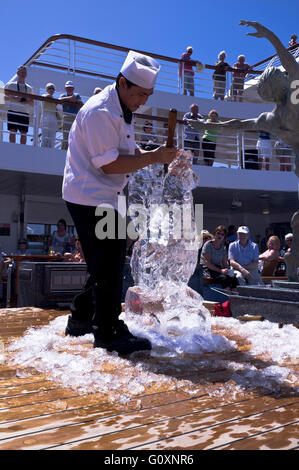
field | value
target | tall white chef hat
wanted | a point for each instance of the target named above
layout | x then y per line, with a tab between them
140	69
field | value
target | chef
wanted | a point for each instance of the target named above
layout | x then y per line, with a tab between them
101	155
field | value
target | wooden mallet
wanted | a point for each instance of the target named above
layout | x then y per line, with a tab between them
172	118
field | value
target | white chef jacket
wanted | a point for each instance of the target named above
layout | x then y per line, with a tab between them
98	135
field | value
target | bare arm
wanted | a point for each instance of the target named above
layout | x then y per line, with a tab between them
287	60
142	158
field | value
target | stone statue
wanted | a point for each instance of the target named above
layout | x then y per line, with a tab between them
292	258
274	86
283	122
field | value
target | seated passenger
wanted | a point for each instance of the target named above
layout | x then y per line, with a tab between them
243	256
61	241
288	241
215	262
270	259
22	248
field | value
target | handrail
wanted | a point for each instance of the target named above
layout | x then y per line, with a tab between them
274	55
41	98
231	151
56	37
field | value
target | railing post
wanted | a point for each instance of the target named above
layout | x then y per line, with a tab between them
36	116
74	58
69	55
242	153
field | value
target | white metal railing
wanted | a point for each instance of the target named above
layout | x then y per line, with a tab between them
81	56
274	61
49	126
272	154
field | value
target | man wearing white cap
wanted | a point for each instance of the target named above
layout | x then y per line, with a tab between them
243	256
69	110
102	153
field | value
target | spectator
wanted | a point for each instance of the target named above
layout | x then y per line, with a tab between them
76	256
288	241
69	111
215	262
264	148
191	137
239	77
61	241
19	108
268	233
97	90
49	118
148	139
283	152
209	140
268	261
219	77
22	248
186	71
204	236
243	256
293	40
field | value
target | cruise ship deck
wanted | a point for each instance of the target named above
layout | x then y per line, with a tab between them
198	407
241	398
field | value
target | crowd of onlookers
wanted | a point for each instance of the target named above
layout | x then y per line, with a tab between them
231	257
53	116
60	116
208	143
239	71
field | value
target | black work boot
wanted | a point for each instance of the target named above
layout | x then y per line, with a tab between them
121	340
122	345
78	327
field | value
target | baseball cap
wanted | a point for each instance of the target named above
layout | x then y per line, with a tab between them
243	229
140	69
69	83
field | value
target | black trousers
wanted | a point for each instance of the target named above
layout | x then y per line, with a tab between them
100	299
208	149
223	279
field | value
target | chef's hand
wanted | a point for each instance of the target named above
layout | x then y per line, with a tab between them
165	155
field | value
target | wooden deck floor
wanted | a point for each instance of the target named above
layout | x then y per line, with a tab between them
37	413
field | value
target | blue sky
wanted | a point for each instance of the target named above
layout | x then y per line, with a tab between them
161	26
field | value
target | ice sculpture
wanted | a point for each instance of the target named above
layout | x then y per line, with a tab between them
165	254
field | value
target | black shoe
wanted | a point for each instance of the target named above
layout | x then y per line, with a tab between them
121	330
77	327
123	345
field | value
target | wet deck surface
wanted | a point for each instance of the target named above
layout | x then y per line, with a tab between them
37	413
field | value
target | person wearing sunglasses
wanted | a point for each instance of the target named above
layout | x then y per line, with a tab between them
215	262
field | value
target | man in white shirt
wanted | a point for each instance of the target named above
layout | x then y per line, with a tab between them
19	108
102	153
